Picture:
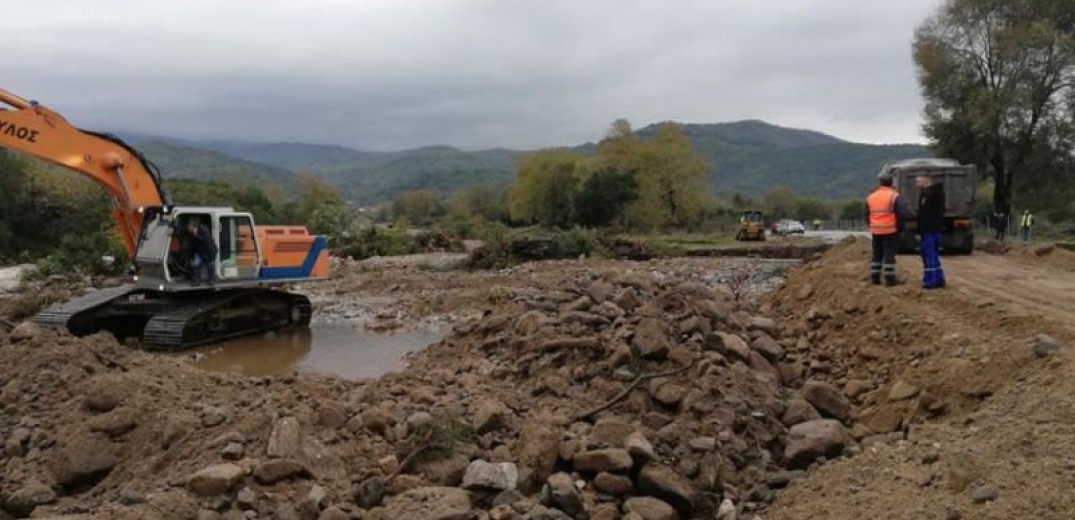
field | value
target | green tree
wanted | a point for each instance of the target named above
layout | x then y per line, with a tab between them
670	175
998	77
780	202
546	185
743	202
853	210
810	208
333	220
313	194
417	206
604	197
487	201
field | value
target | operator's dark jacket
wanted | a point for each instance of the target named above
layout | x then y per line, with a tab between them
931	209
203	245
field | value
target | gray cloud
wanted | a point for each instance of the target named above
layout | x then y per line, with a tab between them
390	74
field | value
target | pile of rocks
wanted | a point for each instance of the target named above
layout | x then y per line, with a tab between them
635	395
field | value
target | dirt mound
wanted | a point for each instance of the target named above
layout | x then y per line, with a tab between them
1059	256
947	389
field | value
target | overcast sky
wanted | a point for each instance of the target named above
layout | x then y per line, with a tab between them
393	74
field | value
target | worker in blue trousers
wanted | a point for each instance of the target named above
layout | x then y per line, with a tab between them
930	224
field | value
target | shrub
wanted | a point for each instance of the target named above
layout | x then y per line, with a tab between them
82	254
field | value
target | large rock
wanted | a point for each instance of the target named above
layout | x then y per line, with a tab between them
886	418
273	471
334	513
105	393
729	345
639	447
670	394
613	460
627	299
600	291
649	508
25	331
661	482
538	449
563	495
286	438
490	415
609	433
482	475
651	339
827	399
758	363
84	461
428	503
23	501
444	471
613	484
798	411
768	347
1045	345
901	391
376	420
369	493
812	439
215	480
766	325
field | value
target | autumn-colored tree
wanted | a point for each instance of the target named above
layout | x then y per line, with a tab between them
489	202
417	206
670	176
546	184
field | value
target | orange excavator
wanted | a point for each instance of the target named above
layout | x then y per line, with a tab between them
165	305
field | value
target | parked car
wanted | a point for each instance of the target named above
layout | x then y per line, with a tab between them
788	227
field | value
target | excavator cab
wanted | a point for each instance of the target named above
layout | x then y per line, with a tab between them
164	256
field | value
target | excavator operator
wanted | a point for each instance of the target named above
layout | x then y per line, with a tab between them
203	252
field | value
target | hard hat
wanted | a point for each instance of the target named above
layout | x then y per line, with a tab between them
885	175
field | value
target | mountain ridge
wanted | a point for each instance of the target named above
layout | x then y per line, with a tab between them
747	156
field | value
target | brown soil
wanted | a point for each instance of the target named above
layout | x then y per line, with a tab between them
548	364
1006	412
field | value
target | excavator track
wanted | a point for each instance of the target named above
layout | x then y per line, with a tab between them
175	321
74	315
233	314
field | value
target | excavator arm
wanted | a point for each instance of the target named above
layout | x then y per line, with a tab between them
130	180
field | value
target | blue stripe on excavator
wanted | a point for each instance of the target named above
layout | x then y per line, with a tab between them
302	271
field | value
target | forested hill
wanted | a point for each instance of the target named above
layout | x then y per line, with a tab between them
195	163
745	156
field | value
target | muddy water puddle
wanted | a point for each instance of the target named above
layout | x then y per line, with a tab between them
345	350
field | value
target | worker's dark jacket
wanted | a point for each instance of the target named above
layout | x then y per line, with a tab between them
931	209
203	245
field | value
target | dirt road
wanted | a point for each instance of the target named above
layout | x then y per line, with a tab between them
1018	285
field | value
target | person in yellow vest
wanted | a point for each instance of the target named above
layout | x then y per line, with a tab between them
1026	223
885	214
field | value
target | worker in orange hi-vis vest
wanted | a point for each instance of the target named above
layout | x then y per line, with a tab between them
885	214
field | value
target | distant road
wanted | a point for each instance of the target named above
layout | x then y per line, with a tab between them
835	236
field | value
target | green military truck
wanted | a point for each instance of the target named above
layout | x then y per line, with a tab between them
960	186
